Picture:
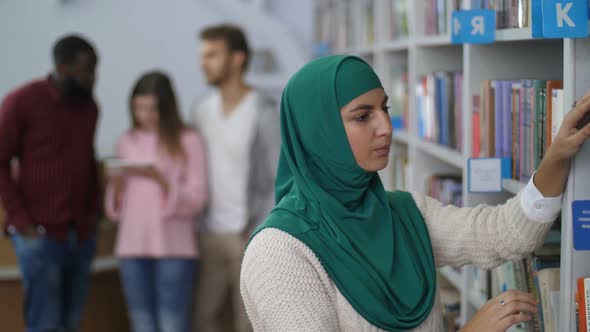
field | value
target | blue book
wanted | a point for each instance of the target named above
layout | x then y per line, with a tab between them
421	123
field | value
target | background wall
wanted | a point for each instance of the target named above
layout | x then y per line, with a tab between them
133	36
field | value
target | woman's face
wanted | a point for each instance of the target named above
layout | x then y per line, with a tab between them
145	110
369	130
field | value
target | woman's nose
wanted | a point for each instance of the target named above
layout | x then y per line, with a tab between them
384	125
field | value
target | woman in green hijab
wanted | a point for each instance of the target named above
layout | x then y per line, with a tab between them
339	253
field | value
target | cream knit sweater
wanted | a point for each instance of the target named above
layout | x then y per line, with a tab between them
285	288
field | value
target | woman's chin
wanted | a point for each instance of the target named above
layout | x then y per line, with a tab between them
377	165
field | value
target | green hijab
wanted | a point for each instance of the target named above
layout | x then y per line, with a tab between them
374	245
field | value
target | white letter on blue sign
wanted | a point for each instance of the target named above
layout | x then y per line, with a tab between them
562	15
478	25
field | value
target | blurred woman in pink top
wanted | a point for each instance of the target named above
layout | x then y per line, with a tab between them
157	195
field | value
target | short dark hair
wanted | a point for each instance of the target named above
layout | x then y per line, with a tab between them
67	49
232	35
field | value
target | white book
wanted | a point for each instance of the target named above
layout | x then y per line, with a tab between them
558	112
120	164
548	282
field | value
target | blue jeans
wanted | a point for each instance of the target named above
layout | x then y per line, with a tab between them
55	277
159	293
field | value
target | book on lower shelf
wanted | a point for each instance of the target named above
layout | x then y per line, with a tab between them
439	111
516	119
539	275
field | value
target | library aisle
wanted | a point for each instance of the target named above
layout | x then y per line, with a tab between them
452	102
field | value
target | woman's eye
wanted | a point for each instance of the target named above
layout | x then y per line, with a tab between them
362	118
386	109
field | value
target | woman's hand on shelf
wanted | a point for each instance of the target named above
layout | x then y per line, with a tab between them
551	176
503	311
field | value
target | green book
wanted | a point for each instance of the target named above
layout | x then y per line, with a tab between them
539	117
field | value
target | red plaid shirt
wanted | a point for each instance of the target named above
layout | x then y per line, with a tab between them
53	140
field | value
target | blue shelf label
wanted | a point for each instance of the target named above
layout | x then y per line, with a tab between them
456	25
581	224
473	26
560	18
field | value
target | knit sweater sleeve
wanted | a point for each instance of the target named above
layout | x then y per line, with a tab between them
485	236
283	288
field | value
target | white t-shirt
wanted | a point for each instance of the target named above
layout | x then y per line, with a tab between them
228	140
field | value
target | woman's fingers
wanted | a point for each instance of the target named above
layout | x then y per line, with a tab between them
581	136
573	117
511	320
513	308
516	295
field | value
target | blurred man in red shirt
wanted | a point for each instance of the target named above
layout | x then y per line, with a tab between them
52	207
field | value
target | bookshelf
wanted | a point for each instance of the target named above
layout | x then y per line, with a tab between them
514	55
574	264
441	152
393	46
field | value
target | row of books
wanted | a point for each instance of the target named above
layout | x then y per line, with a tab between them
435	17
538	275
447	188
340	26
343	24
439	111
517	119
399	98
509	13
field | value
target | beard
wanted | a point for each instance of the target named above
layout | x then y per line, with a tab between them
73	89
218	78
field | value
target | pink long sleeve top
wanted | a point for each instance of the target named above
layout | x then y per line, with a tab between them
152	223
